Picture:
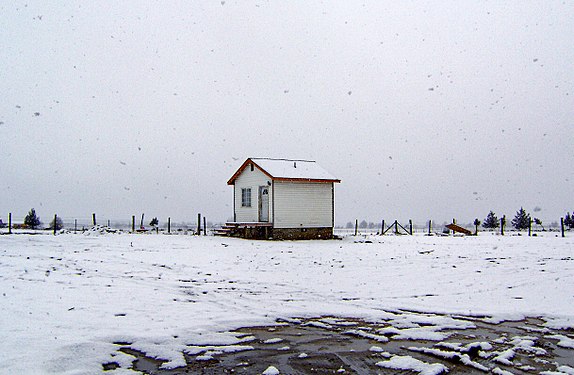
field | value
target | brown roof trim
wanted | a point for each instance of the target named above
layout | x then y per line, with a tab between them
286	179
242	168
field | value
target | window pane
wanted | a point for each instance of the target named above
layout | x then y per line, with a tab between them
246	197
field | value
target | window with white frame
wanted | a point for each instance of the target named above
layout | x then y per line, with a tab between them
246	197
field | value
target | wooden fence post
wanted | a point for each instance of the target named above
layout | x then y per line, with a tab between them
198	224
94	219
204	227
529	227
383	227
411	226
562	225
10	223
75	225
396	227
133	223
356	226
169	225
502	222
55	223
430	227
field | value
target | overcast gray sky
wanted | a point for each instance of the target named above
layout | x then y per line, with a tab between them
424	109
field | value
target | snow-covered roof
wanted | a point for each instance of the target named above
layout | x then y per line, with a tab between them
288	170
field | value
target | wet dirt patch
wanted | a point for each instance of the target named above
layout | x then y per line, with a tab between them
330	345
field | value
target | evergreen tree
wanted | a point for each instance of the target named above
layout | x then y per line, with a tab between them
568	221
363	224
491	221
476	224
521	220
154	222
59	223
350	225
537	221
32	220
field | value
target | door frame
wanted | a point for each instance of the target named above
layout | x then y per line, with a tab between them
260	205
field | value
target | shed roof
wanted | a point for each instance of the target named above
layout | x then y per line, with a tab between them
287	170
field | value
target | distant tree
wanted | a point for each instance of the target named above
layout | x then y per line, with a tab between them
537	221
350	225
32	220
371	225
154	222
568	221
363	224
59	223
521	220
476	224
491	221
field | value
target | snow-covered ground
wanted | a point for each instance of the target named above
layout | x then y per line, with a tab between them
65	299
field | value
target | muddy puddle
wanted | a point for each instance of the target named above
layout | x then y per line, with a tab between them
328	345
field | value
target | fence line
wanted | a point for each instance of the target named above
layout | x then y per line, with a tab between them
82	224
431	227
203	227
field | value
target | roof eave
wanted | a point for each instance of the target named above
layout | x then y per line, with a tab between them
242	168
317	180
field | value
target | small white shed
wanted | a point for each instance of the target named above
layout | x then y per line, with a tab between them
282	199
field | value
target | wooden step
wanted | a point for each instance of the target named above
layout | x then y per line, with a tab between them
224	231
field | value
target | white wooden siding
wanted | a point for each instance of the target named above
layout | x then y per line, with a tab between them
303	205
251	179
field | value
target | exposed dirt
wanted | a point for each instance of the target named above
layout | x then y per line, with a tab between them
350	346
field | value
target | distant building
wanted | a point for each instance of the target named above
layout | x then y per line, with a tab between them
282	199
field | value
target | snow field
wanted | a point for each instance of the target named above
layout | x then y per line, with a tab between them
65	300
